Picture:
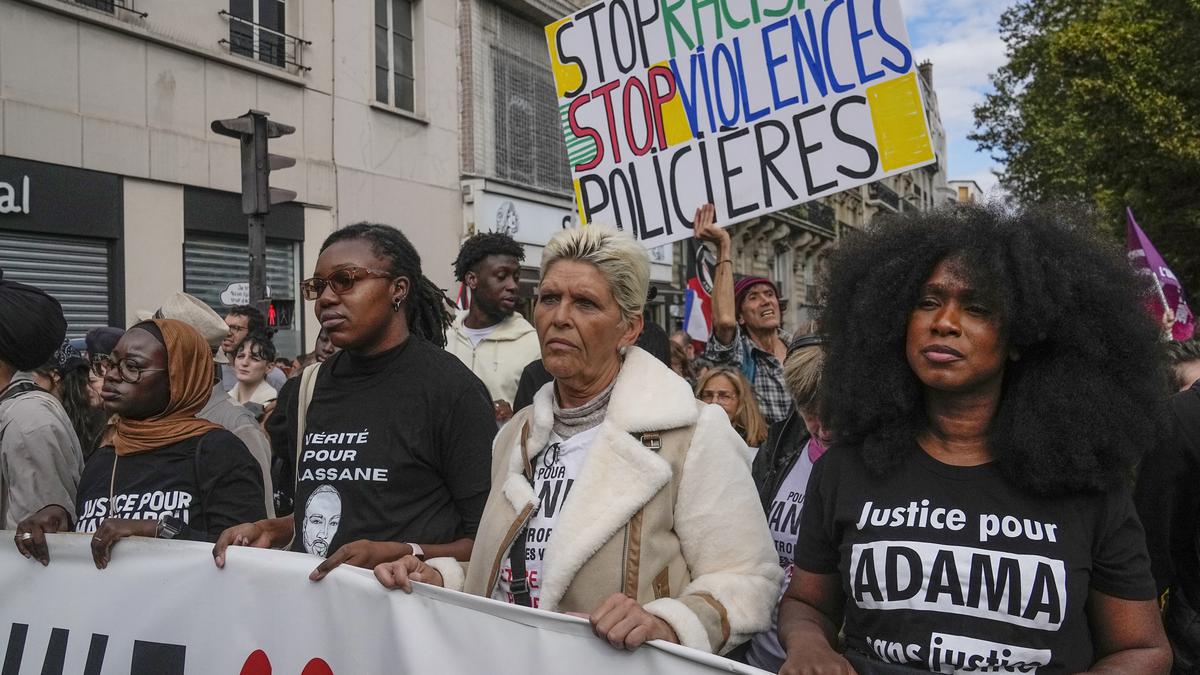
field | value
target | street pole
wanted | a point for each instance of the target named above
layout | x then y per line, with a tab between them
253	130
258	262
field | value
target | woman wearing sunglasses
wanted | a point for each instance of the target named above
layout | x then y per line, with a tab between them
166	473
395	433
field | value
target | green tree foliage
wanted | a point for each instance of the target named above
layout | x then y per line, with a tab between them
1099	104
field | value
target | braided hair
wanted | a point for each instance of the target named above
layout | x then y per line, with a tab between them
425	308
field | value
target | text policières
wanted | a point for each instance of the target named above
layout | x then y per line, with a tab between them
754	105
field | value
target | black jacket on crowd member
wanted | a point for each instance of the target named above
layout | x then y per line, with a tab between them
533	378
1169	505
777	455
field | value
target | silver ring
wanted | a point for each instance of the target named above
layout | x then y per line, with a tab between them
26	536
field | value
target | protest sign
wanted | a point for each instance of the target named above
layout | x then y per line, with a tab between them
753	105
163	608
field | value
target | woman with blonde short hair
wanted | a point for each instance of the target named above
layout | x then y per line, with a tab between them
649	522
728	388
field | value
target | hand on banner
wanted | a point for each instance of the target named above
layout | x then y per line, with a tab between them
362	553
401	573
260	534
706	231
114	529
625	624
31	532
504	411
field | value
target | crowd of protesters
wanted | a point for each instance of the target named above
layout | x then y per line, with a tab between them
982	457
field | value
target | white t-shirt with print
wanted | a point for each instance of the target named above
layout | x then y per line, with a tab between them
555	469
784	523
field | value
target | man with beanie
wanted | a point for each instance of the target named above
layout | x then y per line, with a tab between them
221	409
746	318
40	459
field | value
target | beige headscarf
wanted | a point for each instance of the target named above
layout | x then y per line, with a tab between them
190	372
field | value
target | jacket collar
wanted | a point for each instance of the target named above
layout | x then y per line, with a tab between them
619	475
511	328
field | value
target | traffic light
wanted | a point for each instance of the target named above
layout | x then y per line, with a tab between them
253	130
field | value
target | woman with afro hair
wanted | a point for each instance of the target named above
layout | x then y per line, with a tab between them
993	379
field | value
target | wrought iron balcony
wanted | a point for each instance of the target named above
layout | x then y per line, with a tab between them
109	6
881	194
821	215
257	41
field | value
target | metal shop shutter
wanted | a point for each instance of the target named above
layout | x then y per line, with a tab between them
210	264
73	270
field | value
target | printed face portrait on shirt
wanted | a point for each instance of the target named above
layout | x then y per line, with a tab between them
759	310
362	315
956	340
495	285
322	515
140	353
579	322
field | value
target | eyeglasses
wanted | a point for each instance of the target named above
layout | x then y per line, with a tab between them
99	364
340	281
128	372
723	396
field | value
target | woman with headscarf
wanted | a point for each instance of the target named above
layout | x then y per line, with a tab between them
40	458
167	473
648	520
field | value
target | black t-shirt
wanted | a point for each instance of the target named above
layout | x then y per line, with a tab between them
211	481
955	568
397	447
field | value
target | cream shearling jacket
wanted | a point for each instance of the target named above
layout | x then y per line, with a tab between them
664	510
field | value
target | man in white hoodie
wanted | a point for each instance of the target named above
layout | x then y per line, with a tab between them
491	338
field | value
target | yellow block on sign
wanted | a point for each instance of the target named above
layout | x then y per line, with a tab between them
901	133
674	118
567	77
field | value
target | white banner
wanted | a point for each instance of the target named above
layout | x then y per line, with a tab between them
163	608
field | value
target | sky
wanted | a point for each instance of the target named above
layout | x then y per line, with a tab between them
962	39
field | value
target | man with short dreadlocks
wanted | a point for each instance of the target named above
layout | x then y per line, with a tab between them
491	338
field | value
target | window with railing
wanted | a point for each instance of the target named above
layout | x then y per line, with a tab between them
110	6
395	68
881	193
258	30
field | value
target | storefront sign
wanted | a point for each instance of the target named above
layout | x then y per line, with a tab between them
39	198
534	223
14	198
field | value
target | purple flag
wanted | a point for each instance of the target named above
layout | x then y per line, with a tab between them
1170	307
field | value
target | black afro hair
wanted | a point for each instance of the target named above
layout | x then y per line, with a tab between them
481	246
1081	403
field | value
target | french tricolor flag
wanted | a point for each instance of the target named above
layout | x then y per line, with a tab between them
697	311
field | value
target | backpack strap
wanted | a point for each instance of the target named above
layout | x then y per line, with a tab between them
17	388
308	384
518	585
